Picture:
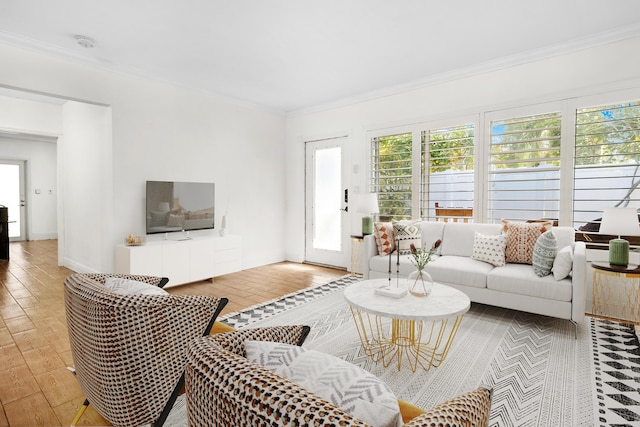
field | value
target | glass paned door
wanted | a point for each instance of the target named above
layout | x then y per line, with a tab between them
12	195
326	203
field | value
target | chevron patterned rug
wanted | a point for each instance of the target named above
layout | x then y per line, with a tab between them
542	375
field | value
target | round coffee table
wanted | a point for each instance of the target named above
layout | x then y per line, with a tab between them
422	329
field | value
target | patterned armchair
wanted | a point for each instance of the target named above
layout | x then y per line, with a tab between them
129	351
225	389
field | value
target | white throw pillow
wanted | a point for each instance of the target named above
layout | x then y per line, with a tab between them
489	248
563	263
343	384
544	253
120	285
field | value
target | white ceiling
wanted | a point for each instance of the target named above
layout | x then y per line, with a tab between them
297	55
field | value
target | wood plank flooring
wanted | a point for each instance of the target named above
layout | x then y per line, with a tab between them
36	388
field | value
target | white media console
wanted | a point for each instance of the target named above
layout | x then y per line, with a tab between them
182	261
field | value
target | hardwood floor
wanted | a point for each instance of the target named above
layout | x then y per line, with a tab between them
36	388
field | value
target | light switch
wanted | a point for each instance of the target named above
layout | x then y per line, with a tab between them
37	191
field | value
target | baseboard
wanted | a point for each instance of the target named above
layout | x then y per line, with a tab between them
77	267
43	236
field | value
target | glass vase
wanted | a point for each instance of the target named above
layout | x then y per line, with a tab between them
420	282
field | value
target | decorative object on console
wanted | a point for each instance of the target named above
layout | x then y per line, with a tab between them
620	222
223	226
420	258
132	240
368	205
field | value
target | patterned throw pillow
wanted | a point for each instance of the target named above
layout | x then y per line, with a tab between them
406	233
120	285
521	238
383	232
544	252
345	385
489	248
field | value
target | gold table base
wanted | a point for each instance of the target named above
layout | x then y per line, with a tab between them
616	296
421	343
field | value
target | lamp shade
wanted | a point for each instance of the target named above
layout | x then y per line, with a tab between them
620	222
367	203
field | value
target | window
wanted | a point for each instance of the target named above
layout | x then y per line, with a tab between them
607	160
449	182
524	168
391	175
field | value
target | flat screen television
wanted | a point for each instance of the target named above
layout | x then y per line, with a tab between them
179	206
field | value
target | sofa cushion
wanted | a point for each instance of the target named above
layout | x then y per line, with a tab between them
520	279
350	387
457	238
431	232
407	233
381	264
383	233
459	271
544	252
489	248
521	238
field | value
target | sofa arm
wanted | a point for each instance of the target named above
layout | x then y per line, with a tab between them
469	409
369	249
579	282
234	341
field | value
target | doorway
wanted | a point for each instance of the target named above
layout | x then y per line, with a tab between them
12	195
327	203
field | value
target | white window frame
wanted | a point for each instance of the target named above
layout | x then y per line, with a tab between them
510	113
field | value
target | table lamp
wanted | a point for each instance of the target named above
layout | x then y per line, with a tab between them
367	204
620	222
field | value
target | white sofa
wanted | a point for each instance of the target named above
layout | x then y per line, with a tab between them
513	286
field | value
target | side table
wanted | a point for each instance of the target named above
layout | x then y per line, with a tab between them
356	255
616	292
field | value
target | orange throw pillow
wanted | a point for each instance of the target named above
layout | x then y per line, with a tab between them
521	239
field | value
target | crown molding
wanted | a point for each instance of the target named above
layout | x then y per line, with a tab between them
477	69
572	46
57	52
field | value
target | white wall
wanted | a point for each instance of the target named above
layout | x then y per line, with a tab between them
161	132
86	205
40	119
607	67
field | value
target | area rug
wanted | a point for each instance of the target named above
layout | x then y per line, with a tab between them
541	373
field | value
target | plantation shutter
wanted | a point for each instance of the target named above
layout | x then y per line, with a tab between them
524	168
607	160
450	181
391	175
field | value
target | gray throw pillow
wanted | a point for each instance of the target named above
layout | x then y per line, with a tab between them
544	252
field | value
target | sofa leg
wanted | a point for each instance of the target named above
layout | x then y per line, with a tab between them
575	328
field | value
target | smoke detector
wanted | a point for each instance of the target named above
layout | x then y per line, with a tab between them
84	41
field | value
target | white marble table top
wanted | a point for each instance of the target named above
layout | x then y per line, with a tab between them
443	301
